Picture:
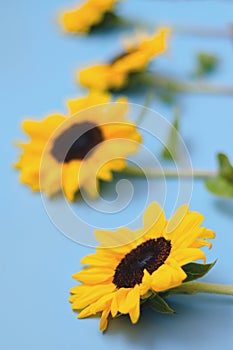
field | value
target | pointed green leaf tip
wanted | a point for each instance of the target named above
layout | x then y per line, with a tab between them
157	303
222	184
171	151
195	271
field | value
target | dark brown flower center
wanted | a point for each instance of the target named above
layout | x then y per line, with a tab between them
149	255
87	135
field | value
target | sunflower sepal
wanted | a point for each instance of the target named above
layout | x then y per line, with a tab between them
158	304
146	296
110	20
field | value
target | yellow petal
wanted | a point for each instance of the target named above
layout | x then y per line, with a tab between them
89	295
184	239
129	302
199	243
91	187
50	179
100	305
105	173
167	277
154	219
184	229
134	313
120	238
92	99
104	320
206	233
30	176
184	256
146	283
94	275
114	306
43	128
119	300
70	181
177	218
99	260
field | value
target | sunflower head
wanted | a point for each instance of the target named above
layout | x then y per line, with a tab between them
131	267
116	74
90	14
74	152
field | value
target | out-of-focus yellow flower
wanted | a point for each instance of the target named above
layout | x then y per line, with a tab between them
130	266
116	74
89	14
71	152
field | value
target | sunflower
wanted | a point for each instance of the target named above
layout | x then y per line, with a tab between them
115	75
88	15
129	266
73	152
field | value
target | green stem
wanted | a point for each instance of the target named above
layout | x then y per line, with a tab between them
185	86
205	31
201	287
146	104
192	30
169	173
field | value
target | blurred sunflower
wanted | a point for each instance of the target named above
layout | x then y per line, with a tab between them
72	152
91	13
115	75
130	265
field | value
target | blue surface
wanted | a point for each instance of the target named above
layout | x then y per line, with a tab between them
37	64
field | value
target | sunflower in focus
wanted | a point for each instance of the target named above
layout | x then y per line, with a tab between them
91	13
115	75
75	151
129	266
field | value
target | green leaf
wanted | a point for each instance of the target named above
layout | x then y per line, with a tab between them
159	304
222	184
172	141
195	271
220	187
225	167
206	63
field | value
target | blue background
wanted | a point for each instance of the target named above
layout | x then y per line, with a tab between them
37	65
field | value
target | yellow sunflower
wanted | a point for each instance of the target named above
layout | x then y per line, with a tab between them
89	14
131	265
73	152
115	75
